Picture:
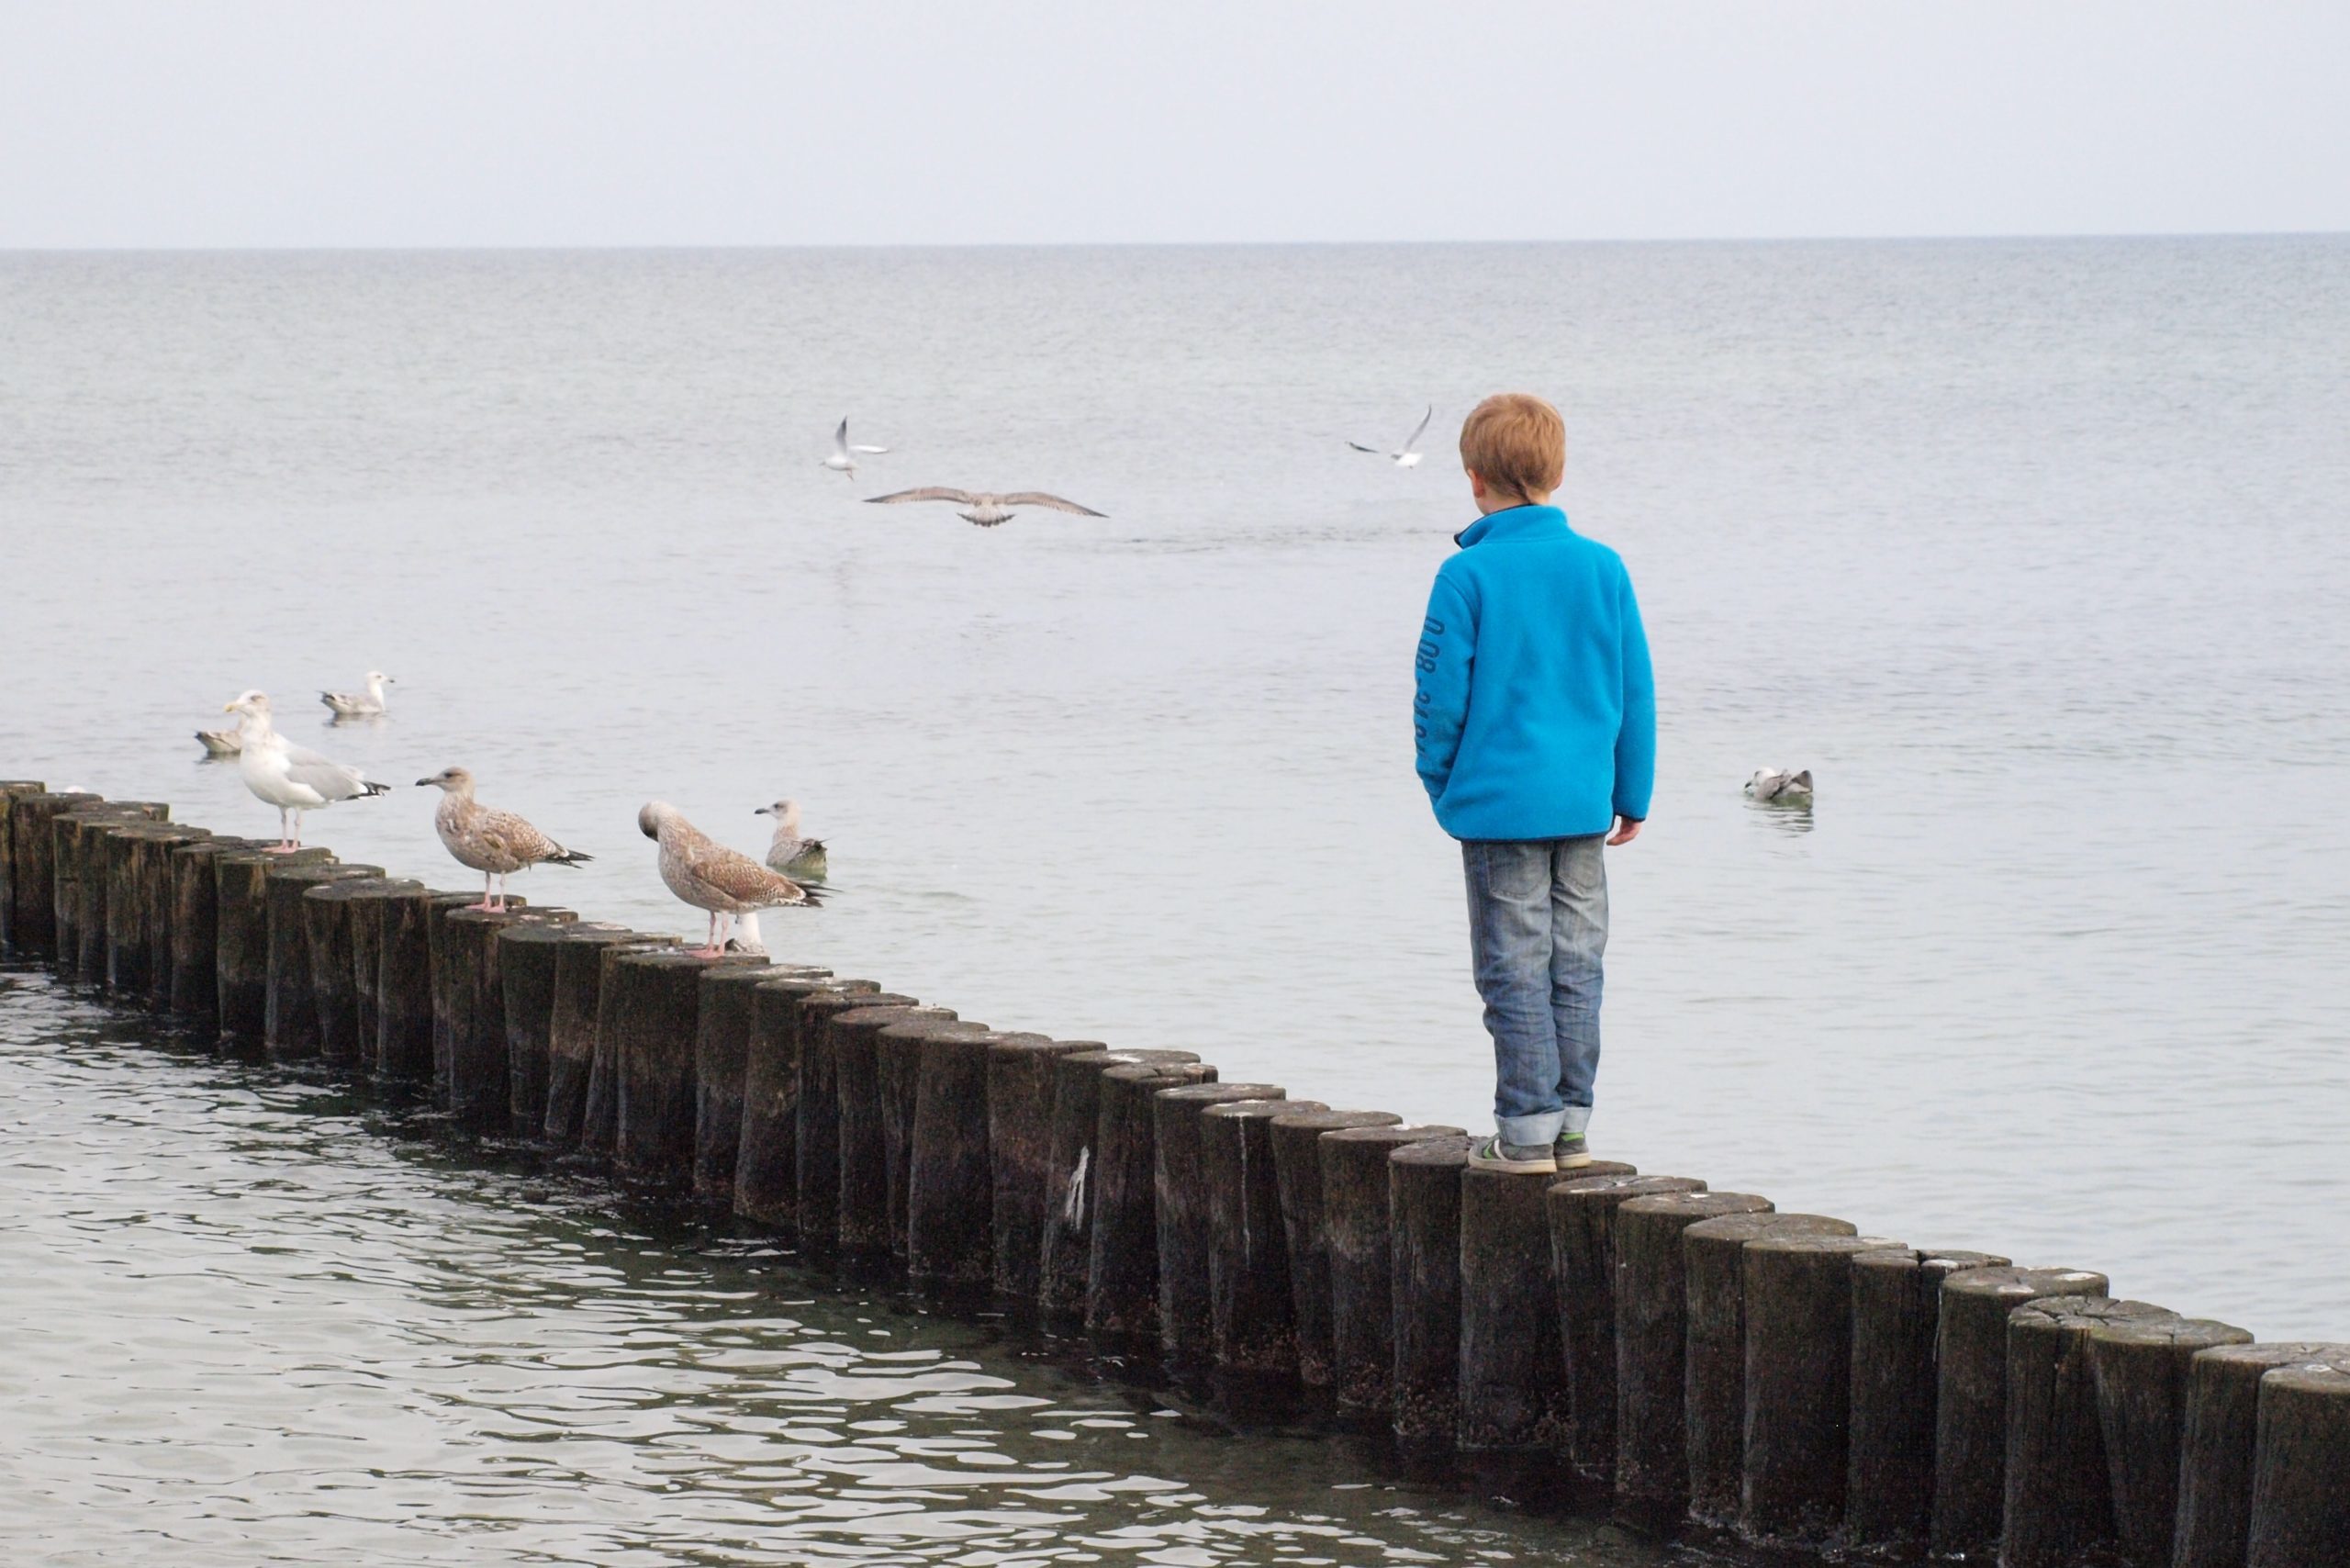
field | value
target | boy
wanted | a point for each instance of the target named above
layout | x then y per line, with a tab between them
1536	726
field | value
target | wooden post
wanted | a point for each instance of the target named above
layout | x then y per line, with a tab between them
950	1220
139	909
575	1037
2218	1449
2059	1495
2300	1506
1297	1167
407	1014
2141	1370
1251	1309
1179	1210
1653	1347
329	935
897	1056
766	1175
819	1168
32	867
1122	1273
1356	1218
1713	1263
10	788
1072	1178
651	1004
1020	1154
1799	1386
1971	1398
721	1073
78	850
1897	1306
527	954
1581	1211
478	1090
195	976
290	1009
240	940
158	905
1423	1228
855	1039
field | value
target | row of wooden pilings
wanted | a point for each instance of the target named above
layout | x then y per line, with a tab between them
1705	1358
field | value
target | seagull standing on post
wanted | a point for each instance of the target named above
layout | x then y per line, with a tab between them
708	876
293	779
492	842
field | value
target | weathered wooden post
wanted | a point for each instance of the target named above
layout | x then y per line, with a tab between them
1180	1211
898	1057
138	925
78	851
32	867
408	1010
650	1011
196	974
1072	1178
1305	1231
1653	1347
470	1081
573	1037
721	1071
329	922
2218	1447
10	788
1580	1208
1020	1153
2140	1369
2059	1493
1356	1218
1424	1204
1713	1263
1971	1398
290	1009
855	1037
767	1171
1122	1273
153	865
1799	1386
950	1219
2300	1506
1897	1306
1514	1389
1251	1308
819	1155
526	956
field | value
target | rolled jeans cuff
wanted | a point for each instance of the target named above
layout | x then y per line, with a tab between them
1576	1120
1536	1131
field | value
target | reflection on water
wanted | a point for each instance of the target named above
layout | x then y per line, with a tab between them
1785	816
251	1314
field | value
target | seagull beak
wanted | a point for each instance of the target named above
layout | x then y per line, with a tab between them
763	810
228	707
423	781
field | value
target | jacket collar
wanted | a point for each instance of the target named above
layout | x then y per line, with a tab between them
1513	522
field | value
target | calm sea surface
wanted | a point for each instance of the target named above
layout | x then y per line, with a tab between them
2034	552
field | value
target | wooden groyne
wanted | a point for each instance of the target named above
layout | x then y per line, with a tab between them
1689	1357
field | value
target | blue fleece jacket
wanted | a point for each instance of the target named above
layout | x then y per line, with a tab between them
1536	714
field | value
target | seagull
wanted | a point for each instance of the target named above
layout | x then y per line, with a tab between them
293	779
1778	784
353	705
219	743
986	508
1406	457
707	874
492	842
797	857
843	458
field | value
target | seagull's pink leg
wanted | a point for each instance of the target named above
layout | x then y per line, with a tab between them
484	894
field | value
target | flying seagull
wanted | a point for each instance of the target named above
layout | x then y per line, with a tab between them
293	779
492	842
359	705
843	458
984	507
1404	457
707	874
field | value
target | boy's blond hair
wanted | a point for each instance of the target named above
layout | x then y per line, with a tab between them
1517	444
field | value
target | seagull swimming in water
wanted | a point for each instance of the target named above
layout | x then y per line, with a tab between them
985	507
843	458
801	858
707	874
293	779
368	705
492	842
219	743
1788	789
1404	457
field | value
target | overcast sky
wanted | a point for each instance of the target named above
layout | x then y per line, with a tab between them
586	122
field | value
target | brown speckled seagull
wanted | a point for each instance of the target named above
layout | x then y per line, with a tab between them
984	509
492	842
707	874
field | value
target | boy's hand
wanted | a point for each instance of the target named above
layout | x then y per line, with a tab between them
1627	830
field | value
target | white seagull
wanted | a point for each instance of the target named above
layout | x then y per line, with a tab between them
843	458
707	874
801	858
984	507
492	842
359	705
1404	457
293	779
1778	784
219	743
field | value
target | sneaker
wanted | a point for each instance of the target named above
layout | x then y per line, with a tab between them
1527	1160
1571	1152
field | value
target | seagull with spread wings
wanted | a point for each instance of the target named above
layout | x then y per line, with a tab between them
843	458
985	507
1403	457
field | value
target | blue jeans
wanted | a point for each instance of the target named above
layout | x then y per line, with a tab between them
1538	926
